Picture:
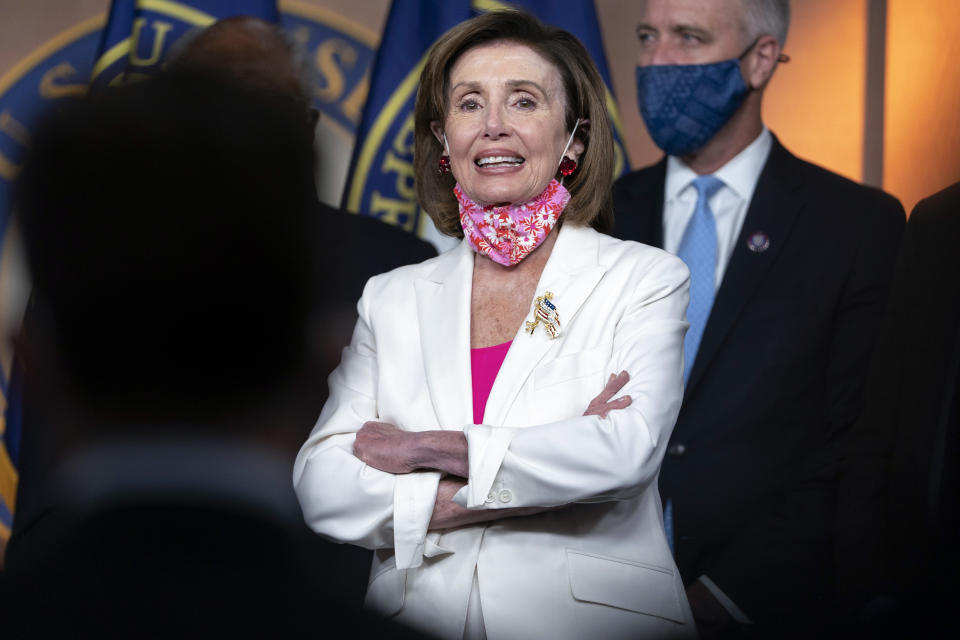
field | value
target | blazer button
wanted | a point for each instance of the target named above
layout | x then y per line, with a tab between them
677	449
491	497
506	496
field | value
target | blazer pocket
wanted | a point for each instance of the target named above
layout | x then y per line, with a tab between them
624	584
570	367
385	594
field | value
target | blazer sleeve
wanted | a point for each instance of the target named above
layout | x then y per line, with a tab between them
341	497
588	458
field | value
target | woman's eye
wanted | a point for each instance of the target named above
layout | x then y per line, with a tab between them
469	105
526	103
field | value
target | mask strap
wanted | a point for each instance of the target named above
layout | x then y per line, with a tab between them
749	47
446	145
569	140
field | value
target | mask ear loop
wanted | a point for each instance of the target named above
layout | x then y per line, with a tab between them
569	140
446	145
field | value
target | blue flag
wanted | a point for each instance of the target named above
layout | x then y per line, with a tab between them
9	446
380	181
139	33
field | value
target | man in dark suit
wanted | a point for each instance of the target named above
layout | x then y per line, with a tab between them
899	516
174	276
263	58
790	265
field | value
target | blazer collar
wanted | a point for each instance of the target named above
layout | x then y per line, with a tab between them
443	313
773	210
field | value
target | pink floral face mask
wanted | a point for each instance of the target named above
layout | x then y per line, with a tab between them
507	234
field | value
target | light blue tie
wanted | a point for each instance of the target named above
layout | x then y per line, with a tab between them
699	250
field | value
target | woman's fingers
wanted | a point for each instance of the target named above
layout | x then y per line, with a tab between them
603	404
619	403
614	384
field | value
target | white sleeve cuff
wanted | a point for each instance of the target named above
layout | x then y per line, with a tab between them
486	447
414	495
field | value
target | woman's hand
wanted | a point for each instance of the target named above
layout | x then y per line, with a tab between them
385	447
602	404
447	514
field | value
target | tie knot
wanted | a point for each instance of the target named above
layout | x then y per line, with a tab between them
707	185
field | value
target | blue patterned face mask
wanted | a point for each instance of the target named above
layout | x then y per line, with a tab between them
685	105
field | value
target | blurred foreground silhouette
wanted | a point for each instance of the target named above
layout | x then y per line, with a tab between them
170	230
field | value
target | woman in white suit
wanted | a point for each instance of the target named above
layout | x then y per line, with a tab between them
455	442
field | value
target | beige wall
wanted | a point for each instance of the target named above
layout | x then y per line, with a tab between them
815	103
922	128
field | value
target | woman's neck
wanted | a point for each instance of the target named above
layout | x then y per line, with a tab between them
530	266
501	296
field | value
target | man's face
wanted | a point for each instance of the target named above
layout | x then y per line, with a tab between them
689	31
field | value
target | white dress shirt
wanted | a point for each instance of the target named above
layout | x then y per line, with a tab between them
729	204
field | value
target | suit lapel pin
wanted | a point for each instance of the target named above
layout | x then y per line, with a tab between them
758	242
546	312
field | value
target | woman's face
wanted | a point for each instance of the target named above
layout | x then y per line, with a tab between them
505	125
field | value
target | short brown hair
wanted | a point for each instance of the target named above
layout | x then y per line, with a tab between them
590	187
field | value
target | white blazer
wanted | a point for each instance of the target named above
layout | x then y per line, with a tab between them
599	567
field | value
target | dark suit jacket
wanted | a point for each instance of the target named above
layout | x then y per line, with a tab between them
899	517
184	544
352	249
777	380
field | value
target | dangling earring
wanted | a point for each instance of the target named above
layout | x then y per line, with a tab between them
443	167
568	165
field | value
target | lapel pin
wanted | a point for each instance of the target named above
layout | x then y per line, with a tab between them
546	312
758	242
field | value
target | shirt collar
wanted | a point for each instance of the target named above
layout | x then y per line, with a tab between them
740	174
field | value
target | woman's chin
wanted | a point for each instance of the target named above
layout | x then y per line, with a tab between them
503	198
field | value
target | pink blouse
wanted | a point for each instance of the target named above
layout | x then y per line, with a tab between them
484	366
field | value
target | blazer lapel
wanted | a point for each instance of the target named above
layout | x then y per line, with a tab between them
443	315
772	211
570	274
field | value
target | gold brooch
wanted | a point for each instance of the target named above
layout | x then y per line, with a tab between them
546	312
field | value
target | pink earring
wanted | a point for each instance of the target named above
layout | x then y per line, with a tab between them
443	167
567	166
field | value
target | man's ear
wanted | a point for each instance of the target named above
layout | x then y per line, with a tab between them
759	65
437	132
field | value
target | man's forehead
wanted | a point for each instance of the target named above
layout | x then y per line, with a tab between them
714	15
